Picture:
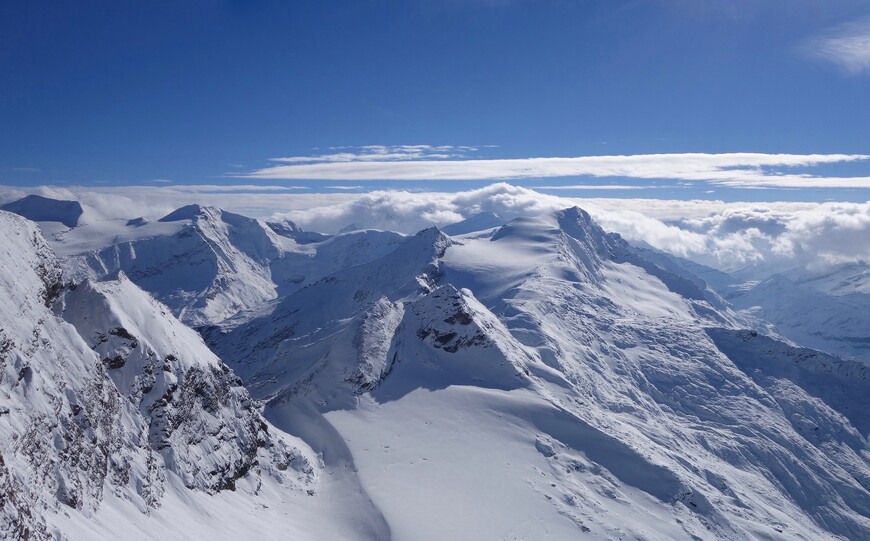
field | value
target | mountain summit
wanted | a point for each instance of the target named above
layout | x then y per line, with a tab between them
44	209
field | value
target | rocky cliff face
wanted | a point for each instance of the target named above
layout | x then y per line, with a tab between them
103	391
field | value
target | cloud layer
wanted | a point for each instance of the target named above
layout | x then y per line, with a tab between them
729	236
741	169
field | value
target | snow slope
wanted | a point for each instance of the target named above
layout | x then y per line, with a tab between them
546	381
478	222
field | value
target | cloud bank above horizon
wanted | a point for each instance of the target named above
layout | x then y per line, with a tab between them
727	236
445	163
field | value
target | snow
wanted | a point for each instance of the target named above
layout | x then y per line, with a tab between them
206	264
807	312
538	379
479	222
115	405
38	208
546	334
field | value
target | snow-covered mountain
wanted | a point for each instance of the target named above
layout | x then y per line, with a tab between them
38	209
536	379
548	381
117	420
204	263
479	222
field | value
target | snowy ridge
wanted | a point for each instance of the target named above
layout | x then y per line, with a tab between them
840	384
323	323
624	416
196	408
216	264
479	222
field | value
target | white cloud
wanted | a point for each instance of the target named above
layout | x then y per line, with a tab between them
370	153
724	235
593	187
728	169
847	46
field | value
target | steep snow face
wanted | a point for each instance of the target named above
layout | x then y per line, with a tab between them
547	381
322	325
195	408
114	400
841	385
290	230
841	280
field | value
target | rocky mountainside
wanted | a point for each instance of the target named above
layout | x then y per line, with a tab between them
105	396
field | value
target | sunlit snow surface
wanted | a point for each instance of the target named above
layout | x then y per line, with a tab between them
536	380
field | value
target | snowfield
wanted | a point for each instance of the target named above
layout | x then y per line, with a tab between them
535	379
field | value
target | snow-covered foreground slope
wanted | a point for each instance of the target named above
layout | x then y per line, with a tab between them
545	381
116	421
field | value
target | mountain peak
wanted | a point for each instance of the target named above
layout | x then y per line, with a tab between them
44	209
284	227
189	212
574	217
578	224
433	237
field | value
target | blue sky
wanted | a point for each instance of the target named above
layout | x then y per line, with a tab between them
128	93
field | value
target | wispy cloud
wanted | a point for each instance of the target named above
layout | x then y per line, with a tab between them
372	153
593	187
729	169
237	188
846	45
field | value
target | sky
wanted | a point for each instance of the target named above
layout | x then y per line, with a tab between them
739	100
